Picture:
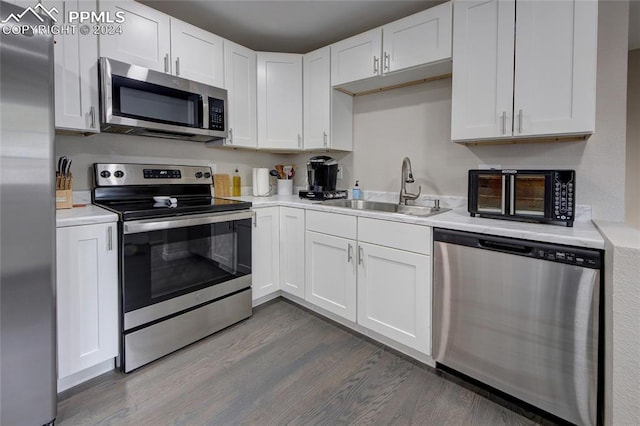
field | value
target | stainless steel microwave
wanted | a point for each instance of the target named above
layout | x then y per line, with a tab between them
546	196
139	101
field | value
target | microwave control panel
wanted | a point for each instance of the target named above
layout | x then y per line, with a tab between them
563	195
216	114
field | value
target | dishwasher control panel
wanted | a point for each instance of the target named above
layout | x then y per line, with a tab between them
585	258
569	256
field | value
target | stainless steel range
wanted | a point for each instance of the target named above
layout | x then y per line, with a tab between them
184	256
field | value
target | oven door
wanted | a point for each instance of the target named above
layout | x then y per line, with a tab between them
172	265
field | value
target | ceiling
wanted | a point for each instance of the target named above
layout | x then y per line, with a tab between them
288	26
300	26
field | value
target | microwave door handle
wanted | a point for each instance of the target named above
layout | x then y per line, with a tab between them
503	209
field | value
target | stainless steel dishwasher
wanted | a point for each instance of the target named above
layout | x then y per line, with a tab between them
522	317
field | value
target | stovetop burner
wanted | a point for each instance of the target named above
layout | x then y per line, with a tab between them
128	189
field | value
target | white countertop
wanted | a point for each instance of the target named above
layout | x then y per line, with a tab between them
582	234
87	215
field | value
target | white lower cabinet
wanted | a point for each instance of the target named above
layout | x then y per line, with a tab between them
394	294
394	281
292	251
265	252
87	297
331	273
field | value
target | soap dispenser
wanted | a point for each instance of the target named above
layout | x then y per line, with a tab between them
356	194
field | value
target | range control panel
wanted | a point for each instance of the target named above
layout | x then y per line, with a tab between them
161	174
120	174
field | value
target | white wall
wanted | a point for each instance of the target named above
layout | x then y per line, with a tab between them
109	148
633	139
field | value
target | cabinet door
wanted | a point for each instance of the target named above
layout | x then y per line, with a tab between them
331	274
279	101
265	252
482	85
357	57
240	82
394	294
317	99
145	38
76	73
417	39
87	296
196	54
555	77
292	251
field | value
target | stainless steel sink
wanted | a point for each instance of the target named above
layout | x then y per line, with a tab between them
384	207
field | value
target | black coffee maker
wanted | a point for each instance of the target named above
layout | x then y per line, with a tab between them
322	173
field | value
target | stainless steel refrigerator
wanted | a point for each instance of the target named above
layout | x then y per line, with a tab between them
27	224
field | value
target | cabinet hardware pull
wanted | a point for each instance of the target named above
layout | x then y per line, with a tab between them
376	61
230	136
299	140
520	121
387	61
92	113
504	122
255	220
360	255
166	63
349	254
324	138
178	65
109	238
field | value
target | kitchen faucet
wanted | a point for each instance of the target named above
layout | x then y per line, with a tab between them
405	178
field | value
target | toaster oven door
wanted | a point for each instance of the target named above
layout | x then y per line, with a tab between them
487	193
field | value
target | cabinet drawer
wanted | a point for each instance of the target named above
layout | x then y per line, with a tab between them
402	236
332	223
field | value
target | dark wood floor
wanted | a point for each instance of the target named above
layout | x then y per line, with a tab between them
284	365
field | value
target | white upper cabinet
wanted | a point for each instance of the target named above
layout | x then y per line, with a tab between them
240	82
555	81
356	58
279	101
145	38
413	42
196	54
417	39
552	91
328	113
76	74
156	41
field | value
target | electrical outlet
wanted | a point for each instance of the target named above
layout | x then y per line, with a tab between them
213	168
339	175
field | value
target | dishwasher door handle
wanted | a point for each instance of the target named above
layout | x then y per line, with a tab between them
512	248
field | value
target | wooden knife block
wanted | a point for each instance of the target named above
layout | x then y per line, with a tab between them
64	192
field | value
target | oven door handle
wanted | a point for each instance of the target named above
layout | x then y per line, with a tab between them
147	225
